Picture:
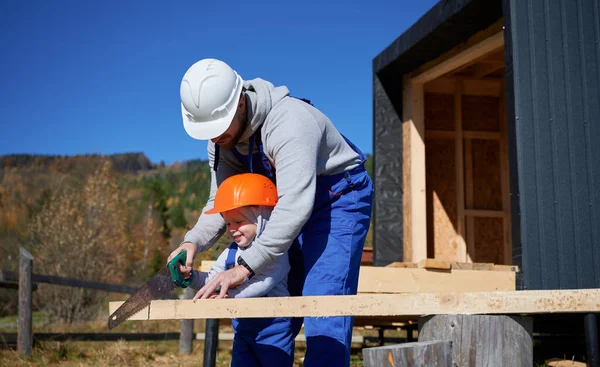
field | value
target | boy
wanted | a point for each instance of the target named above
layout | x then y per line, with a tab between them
245	202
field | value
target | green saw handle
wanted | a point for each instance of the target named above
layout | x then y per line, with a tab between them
176	275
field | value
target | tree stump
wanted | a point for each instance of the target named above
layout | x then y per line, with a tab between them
417	354
482	340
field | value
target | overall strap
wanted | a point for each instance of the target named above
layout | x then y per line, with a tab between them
230	262
216	163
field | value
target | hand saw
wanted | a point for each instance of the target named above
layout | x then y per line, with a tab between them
158	287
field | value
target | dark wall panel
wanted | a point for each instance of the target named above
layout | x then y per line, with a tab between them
387	165
556	79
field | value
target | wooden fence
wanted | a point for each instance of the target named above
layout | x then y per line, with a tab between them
26	282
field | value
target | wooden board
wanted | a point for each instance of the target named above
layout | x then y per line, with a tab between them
440	264
401	280
557	362
426	276
413	172
473	87
405	304
474	48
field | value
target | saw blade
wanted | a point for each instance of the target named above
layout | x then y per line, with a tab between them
158	287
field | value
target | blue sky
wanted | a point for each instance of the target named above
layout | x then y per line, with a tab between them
83	77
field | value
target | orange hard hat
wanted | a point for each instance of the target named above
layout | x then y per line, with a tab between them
242	190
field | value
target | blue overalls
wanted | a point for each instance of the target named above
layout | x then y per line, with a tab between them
260	341
325	257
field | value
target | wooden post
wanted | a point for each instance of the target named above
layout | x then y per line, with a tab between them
482	340
211	342
187	327
421	354
25	338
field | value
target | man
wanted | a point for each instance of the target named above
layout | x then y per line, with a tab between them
325	194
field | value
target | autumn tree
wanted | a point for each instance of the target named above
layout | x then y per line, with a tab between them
81	234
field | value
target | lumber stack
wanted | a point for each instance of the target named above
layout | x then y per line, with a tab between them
431	275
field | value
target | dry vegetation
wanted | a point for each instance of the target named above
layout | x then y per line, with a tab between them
110	219
130	353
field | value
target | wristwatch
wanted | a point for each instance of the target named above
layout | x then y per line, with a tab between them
241	262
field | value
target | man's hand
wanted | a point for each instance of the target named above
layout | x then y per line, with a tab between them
186	270
228	279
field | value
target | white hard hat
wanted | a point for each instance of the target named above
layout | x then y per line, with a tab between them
210	92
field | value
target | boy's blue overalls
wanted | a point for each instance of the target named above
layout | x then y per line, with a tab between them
260	341
325	258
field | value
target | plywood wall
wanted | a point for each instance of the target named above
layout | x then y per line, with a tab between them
476	216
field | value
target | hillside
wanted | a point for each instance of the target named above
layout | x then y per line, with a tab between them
119	216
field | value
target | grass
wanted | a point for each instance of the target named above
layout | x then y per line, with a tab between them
144	353
37	318
130	353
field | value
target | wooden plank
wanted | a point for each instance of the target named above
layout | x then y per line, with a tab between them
472	41
70	282
415	236
504	178
367	256
467	134
485	68
472	87
402	304
15	285
512	268
455	265
417	354
460	178
440	134
472	266
406	183
482	340
400	280
414	277
399	264
205	265
483	135
434	264
557	362
469	221
472	53
485	213
461	266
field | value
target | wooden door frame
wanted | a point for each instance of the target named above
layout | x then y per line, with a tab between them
413	136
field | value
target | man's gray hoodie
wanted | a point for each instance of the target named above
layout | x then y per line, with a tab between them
301	143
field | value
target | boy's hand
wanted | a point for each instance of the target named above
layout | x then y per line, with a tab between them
228	279
186	270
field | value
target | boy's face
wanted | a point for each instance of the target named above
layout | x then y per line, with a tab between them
240	229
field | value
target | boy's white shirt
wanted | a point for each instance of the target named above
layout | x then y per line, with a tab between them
270	281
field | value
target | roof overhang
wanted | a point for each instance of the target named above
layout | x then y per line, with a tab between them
445	26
